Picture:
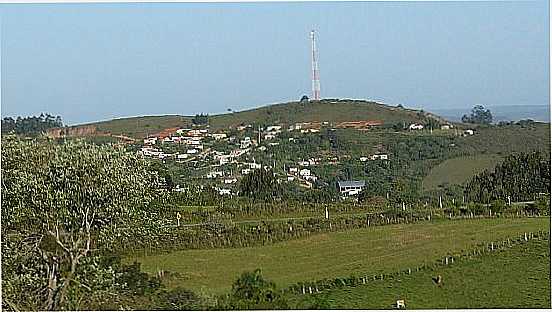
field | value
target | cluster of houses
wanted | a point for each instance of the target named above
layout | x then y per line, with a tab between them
375	157
197	145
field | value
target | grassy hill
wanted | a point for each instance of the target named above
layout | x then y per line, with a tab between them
140	127
286	113
459	170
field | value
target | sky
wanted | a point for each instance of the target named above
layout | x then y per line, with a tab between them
90	62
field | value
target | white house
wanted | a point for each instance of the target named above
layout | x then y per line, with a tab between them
254	166
246	171
415	127
218	136
273	128
446	127
310	178
291	178
214	174
182	156
305	172
379	156
230	181
150	141
351	187
468	132
363	159
293	170
191	151
224	192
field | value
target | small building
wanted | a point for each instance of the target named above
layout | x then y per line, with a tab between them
150	141
351	187
446	127
415	127
254	166
380	157
224	192
305	172
273	128
468	132
218	136
363	159
246	171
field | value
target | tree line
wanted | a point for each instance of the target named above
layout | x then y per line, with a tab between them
521	177
32	125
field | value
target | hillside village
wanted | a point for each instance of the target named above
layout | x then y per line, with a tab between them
221	158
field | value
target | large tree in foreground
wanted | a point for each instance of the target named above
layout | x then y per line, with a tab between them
60	202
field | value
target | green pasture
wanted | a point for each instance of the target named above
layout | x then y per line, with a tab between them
459	170
337	254
513	278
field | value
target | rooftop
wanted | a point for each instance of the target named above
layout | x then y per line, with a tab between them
351	183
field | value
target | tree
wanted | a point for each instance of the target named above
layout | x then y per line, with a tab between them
252	291
520	177
304	99
60	201
260	184
478	116
30	125
201	119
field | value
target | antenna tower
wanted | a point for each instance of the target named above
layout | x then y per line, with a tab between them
315	73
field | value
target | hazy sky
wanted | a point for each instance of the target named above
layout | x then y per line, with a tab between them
91	62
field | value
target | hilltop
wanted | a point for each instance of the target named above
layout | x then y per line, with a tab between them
332	110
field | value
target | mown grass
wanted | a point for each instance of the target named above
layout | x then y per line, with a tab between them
518	277
337	254
459	170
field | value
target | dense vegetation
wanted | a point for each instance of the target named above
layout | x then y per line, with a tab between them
520	177
32	125
75	214
73	199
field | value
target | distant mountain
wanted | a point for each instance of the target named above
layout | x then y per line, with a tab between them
502	113
331	110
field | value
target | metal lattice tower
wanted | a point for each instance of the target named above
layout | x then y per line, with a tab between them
315	72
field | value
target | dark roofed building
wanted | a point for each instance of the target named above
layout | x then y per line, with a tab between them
351	187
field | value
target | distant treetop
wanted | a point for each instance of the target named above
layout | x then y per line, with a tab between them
478	116
31	125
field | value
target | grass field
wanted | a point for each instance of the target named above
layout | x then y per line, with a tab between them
288	113
382	248
518	277
459	170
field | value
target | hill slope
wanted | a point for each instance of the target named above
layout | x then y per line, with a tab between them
287	113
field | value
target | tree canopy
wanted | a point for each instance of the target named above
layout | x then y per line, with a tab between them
59	202
32	125
478	115
520	176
